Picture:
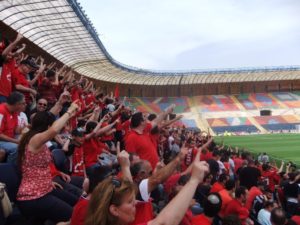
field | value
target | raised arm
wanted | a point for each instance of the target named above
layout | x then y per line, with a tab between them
173	213
123	159
40	139
11	46
168	123
162	116
164	173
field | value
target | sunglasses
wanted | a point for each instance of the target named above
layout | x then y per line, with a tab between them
116	184
42	104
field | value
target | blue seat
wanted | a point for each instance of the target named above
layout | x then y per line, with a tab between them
60	160
10	176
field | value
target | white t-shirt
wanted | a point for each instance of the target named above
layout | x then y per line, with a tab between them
22	120
264	217
170	141
143	187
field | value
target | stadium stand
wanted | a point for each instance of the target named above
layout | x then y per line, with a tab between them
73	151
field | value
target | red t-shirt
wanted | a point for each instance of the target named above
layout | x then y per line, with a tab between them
271	178
253	192
171	182
187	219
144	213
47	90
189	158
126	128
216	187
236	208
105	137
92	148
238	162
53	170
6	78
296	219
78	162
204	157
89	99
201	220
142	145
226	199
20	78
79	211
8	121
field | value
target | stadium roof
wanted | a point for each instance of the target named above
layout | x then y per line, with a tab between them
61	28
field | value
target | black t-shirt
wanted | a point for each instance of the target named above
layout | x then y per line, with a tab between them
249	176
291	190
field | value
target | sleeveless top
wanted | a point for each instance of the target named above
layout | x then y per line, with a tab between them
36	176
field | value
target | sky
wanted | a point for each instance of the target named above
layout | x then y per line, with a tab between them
198	34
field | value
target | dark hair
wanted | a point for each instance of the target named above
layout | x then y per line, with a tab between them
97	175
136	119
136	168
229	185
109	101
223	177
124	116
40	123
231	220
14	98
212	204
268	203
240	191
152	116
278	216
50	73
90	126
81	123
265	167
216	153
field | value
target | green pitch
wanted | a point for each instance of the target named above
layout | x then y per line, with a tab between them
279	146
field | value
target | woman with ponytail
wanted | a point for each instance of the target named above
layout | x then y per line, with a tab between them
37	195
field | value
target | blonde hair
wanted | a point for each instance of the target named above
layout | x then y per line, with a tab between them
105	194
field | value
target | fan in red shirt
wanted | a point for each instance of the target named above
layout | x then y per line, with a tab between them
212	206
237	205
270	175
220	184
92	147
9	64
9	123
21	79
97	175
139	141
190	156
48	87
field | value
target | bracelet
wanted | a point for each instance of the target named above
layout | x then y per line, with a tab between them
69	113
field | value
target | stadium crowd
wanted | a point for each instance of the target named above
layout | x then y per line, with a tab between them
83	158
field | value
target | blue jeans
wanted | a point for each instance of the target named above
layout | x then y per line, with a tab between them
11	150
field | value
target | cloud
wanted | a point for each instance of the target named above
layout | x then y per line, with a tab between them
172	34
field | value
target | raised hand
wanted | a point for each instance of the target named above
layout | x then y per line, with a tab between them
19	37
200	169
122	156
72	110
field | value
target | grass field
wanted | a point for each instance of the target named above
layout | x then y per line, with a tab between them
279	146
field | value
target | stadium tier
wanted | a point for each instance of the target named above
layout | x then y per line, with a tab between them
231	113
